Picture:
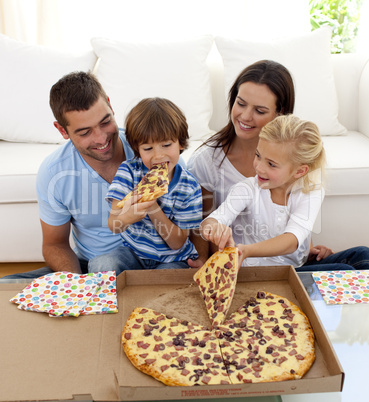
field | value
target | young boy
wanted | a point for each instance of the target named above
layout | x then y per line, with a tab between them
155	233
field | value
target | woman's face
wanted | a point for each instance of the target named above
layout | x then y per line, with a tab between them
255	106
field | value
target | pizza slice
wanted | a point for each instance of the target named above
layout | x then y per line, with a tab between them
244	361
277	334
217	280
173	351
152	186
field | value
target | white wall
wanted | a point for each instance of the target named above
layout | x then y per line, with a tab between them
71	23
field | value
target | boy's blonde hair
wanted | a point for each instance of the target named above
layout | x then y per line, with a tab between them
307	146
155	119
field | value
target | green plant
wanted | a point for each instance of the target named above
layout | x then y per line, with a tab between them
342	16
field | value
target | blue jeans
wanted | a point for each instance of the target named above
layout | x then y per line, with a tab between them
43	271
356	258
123	259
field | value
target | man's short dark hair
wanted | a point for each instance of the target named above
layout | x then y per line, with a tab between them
75	91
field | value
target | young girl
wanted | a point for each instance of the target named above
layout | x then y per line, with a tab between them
277	208
155	234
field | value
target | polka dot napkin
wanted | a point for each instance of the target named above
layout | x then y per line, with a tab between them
343	287
69	294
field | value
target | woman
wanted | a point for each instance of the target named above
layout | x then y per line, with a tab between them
261	92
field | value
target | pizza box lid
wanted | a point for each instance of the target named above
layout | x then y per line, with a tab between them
63	359
173	292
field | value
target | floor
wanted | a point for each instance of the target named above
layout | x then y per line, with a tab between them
15	267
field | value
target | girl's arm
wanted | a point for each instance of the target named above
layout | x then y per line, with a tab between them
174	236
132	212
285	243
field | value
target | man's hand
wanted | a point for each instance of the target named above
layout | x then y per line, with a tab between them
319	253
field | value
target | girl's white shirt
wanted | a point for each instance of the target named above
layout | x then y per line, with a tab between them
259	219
215	173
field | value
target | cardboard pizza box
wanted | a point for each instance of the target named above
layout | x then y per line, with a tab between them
63	359
174	293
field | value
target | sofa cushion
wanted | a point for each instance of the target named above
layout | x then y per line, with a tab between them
347	164
19	163
308	59
173	70
27	73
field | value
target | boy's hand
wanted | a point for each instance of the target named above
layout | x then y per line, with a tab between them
217	233
136	210
153	207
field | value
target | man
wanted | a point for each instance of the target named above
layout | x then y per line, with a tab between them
73	180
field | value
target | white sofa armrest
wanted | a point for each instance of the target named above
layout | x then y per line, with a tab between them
347	69
363	118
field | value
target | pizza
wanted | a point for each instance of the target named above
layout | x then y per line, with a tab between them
174	352
217	282
267	339
152	186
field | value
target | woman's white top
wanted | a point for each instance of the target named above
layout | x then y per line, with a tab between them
253	216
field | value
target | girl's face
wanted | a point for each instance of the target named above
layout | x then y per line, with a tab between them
162	151
254	107
273	166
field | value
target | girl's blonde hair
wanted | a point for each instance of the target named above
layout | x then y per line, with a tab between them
307	146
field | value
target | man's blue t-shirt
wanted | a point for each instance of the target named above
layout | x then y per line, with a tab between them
68	189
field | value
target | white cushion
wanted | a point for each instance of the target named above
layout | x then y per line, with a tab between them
130	72
347	164
19	164
308	59
27	73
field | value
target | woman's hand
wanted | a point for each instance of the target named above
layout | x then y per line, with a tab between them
217	233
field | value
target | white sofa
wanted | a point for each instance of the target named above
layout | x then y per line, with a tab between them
332	91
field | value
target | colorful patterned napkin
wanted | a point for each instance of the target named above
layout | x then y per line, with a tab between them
343	287
69	294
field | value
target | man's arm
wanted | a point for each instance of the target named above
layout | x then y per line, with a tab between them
56	249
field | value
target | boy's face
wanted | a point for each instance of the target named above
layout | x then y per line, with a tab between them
163	151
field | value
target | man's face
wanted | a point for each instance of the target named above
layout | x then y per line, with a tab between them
93	132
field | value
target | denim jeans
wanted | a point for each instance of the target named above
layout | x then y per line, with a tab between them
123	258
42	271
356	258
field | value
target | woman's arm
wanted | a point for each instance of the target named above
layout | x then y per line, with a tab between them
202	245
